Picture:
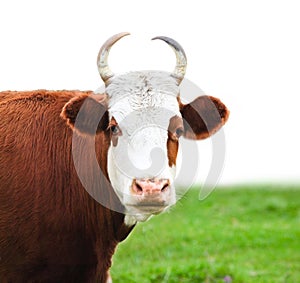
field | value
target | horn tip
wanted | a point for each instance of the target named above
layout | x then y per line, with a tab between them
157	37
171	42
124	33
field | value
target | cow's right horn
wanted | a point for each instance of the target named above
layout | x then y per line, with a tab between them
102	64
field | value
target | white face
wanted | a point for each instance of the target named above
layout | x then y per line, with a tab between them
141	105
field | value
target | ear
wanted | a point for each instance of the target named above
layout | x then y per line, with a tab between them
86	113
203	117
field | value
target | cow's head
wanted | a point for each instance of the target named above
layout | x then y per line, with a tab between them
145	118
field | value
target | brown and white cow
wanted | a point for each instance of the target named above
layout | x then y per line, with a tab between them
79	169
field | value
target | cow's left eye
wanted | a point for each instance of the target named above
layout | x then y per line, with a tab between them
179	132
114	129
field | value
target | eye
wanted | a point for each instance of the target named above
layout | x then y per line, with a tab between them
179	132
114	129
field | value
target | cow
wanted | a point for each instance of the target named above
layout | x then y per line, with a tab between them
78	169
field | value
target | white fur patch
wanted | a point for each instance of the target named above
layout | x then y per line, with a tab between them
144	89
142	103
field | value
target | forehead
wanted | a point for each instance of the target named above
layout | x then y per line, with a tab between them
153	93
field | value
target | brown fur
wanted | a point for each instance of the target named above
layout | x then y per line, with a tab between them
175	124
172	147
51	230
200	119
203	117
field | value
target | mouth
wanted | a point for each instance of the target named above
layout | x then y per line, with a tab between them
151	208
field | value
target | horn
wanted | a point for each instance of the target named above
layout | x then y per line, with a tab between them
103	68
181	60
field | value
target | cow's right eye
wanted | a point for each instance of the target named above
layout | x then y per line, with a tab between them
114	129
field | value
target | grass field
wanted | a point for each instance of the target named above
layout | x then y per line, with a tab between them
235	235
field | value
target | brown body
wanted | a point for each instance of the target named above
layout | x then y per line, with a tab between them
51	229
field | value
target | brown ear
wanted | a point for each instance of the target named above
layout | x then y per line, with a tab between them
86	114
203	117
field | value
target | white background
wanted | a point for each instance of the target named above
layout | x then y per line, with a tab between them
245	52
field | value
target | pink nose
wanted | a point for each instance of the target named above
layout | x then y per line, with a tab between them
149	186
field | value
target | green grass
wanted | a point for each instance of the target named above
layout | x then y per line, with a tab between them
235	235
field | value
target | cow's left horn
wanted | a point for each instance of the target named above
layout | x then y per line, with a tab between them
181	60
102	64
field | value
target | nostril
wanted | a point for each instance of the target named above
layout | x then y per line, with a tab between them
138	187
165	187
